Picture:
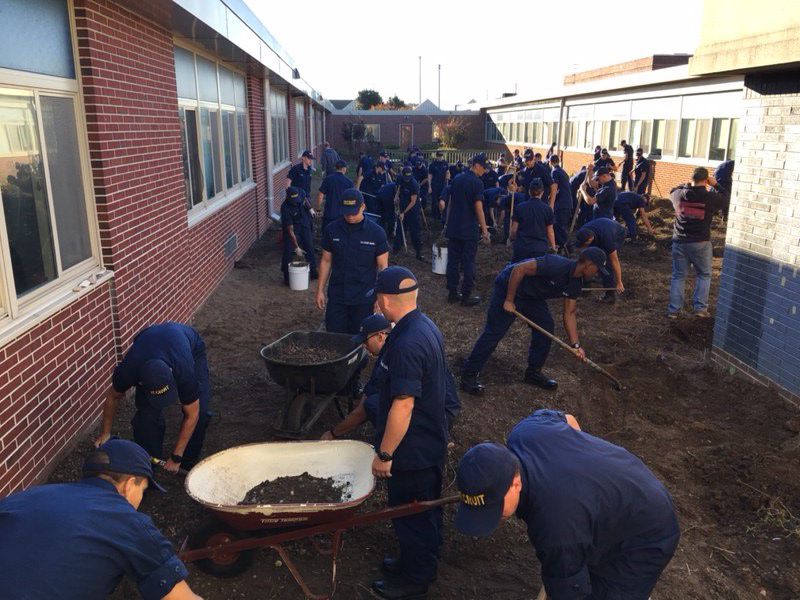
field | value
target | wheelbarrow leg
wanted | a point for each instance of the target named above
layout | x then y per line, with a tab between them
336	543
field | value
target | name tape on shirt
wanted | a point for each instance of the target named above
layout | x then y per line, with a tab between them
473	499
367	243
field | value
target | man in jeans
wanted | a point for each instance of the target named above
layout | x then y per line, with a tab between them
695	205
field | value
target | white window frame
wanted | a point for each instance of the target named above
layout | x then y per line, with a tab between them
283	131
18	314
208	206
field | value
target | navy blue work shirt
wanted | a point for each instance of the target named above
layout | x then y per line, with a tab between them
564	195
575	183
409	187
532	217
585	502
540	170
300	177
608	234
438	170
413	364
421	172
462	222
77	540
492	196
605	195
724	176
372	182
366	164
386	193
630	200
554	278
489	179
642	169
334	186
354	252
604	162
296	213
176	344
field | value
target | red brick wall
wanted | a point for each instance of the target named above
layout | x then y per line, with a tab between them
390	128
52	380
258	147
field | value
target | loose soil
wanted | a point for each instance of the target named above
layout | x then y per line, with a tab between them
297	489
302	353
722	445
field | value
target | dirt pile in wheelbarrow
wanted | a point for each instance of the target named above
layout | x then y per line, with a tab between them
300	353
298	489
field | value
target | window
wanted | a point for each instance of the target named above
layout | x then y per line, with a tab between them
300	117
372	133
214	127
723	139
694	138
319	128
279	114
662	142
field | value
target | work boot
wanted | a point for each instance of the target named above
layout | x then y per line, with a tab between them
395	588
608	298
420	257
470	300
391	566
540	379
471	385
453	297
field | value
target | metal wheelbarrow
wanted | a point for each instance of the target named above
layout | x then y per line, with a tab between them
224	545
312	387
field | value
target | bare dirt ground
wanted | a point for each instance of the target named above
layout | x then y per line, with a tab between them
716	440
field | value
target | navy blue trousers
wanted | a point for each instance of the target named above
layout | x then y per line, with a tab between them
498	322
419	536
411	222
388	217
563	218
626	181
627	214
521	253
148	421
436	193
346	318
305	239
461	256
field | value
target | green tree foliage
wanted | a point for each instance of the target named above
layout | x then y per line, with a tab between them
368	98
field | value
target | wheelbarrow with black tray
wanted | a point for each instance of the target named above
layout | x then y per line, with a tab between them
312	385
225	543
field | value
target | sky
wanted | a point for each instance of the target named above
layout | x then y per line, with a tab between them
484	49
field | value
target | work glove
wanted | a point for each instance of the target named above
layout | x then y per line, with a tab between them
299	252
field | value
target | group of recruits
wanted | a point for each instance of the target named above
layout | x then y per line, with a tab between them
601	523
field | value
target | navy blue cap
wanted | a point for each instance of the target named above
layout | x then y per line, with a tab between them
528	153
121	456
536	183
602	171
388	281
352	201
292	192
382	153
480	159
459	164
505	179
340	164
583	236
307	154
597	256
407	170
484	475
155	376
370	326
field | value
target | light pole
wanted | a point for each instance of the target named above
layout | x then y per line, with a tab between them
439	95
420	80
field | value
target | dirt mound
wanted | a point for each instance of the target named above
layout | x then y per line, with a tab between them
297	489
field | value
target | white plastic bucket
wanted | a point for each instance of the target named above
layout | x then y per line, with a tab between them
298	276
439	260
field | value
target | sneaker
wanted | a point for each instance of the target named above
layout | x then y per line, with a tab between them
702	314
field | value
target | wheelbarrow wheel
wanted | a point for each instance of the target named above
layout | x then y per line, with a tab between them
220	564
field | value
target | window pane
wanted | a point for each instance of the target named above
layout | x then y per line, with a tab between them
239	91
732	139
24	196
623	132
216	150
670	131
720	130
701	138
36	37
647	129
208	156
226	86
228	145
688	128
64	169
207	80
184	74
244	143
192	154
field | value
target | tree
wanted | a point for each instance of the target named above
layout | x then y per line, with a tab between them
453	132
395	102
367	99
353	132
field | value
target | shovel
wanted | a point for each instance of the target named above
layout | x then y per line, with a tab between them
615	382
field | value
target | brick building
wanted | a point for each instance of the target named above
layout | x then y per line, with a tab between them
680	120
400	128
142	147
757	328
